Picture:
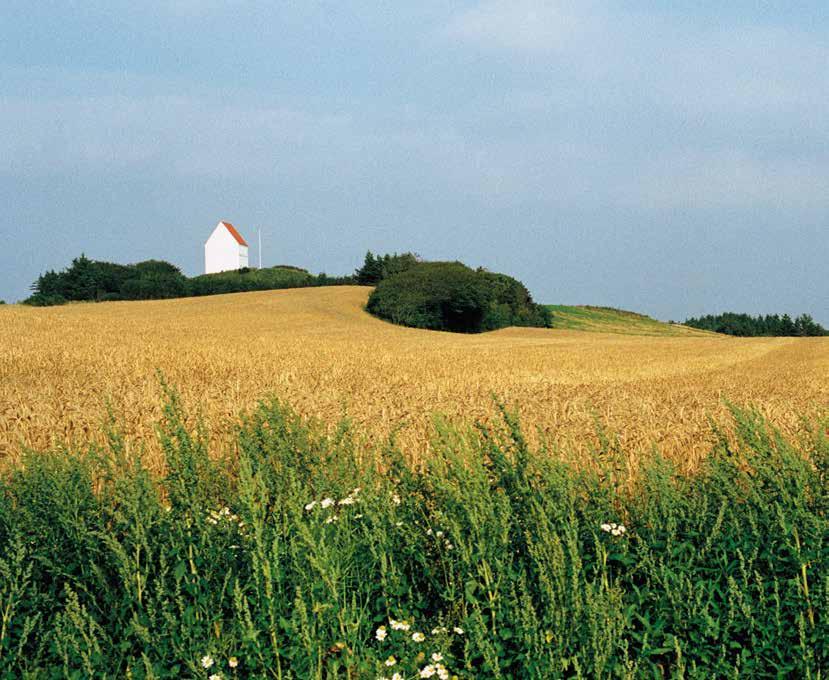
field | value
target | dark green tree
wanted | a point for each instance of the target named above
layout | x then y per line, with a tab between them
371	272
450	296
745	325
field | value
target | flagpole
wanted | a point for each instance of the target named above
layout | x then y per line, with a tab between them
260	249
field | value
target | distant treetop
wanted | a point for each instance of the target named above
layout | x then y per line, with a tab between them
732	323
375	269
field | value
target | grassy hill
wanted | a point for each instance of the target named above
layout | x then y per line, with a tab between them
610	320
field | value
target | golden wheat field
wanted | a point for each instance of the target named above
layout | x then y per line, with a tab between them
319	351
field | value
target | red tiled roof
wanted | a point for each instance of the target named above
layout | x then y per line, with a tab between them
235	234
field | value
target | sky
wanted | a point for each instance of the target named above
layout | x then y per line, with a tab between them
670	158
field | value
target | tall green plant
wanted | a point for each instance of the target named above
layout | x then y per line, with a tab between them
310	554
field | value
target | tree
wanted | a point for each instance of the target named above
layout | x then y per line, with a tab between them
80	281
768	325
450	296
375	269
371	272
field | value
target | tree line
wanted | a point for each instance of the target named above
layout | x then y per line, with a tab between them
87	280
744	325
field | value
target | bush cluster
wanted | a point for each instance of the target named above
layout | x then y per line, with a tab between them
449	296
272	278
95	281
308	557
87	279
745	325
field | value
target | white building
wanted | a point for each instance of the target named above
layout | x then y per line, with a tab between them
225	250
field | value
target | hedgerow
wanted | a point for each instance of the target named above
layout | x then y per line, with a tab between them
88	280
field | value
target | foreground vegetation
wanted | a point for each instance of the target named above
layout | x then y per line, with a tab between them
305	555
745	325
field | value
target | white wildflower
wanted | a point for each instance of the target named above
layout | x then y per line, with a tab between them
439	534
399	625
621	528
443	674
233	662
428	671
418	637
458	630
429	532
391	661
215	676
397	676
398	524
348	500
225	511
395	499
437	657
449	546
310	506
332	518
616	532
206	661
327	502
439	629
606	527
381	633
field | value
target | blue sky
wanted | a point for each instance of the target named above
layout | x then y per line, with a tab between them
671	158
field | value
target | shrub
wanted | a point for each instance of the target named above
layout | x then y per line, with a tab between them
153	280
251	279
90	280
450	296
42	300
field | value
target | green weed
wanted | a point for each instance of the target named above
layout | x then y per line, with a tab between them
313	556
